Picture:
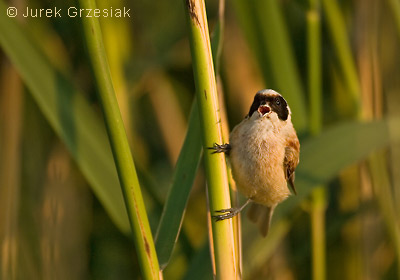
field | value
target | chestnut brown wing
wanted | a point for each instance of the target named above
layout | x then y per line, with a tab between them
291	160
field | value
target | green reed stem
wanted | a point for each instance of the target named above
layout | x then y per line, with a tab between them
119	143
215	166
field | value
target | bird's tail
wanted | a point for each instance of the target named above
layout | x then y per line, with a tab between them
261	215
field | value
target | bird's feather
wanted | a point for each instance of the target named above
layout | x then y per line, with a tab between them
291	160
261	215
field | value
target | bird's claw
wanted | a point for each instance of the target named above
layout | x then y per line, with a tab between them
224	148
226	213
225	210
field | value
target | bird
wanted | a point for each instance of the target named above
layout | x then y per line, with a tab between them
263	152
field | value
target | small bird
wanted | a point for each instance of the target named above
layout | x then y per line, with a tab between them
264	153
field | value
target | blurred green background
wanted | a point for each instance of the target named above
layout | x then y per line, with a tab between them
336	62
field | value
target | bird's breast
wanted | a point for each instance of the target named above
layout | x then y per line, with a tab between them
257	161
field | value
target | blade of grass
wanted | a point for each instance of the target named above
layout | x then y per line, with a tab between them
183	178
215	165
69	114
137	214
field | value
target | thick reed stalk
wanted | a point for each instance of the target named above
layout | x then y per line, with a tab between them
215	166
119	143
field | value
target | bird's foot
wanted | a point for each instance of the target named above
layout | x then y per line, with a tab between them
230	212
224	148
226	213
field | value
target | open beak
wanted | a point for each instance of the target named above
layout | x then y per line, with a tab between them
264	109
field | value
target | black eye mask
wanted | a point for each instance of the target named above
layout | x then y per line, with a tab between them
277	103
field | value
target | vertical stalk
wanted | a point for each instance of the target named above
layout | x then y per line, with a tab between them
216	49
318	206
11	108
119	143
215	166
318	197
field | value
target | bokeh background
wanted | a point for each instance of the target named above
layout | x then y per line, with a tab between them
54	226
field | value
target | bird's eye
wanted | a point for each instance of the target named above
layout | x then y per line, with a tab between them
277	101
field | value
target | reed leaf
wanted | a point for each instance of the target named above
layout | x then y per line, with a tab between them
178	195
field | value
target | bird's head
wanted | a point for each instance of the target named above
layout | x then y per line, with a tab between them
269	104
